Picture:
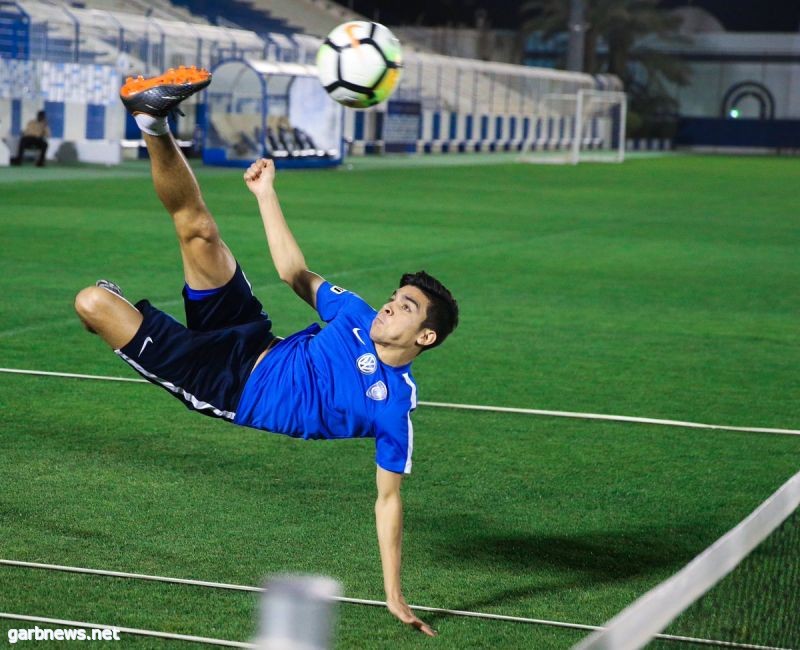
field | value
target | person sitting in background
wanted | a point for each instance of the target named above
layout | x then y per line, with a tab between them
34	137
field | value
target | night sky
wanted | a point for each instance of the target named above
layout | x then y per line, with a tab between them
735	15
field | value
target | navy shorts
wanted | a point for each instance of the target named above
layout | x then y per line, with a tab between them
205	364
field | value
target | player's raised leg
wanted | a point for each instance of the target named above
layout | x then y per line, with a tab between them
207	261
104	311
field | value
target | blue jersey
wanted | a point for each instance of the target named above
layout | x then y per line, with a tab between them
329	383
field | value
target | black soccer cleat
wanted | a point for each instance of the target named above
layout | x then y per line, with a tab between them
158	96
108	285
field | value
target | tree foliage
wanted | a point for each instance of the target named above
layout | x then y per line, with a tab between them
619	40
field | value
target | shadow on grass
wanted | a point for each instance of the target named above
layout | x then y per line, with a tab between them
500	597
557	563
596	556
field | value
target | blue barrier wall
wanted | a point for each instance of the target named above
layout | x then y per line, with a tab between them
95	122
720	132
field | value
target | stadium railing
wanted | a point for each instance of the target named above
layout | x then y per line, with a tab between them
463	104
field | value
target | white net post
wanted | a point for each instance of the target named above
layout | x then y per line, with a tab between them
298	613
577	130
622	127
642	621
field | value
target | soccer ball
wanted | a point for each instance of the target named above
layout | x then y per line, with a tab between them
359	64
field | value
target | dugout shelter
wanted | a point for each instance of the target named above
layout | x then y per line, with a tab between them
271	109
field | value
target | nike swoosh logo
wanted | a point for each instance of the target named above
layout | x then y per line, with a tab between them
144	345
356	330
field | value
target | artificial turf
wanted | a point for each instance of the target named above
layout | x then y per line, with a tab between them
661	288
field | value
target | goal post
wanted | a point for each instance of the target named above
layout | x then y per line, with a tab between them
586	126
599	134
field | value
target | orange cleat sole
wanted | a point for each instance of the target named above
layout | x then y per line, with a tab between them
181	76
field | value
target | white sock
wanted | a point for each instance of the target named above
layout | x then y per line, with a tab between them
151	124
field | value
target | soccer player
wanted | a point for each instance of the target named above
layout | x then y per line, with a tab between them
350	379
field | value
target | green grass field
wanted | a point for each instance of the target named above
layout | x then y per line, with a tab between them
662	288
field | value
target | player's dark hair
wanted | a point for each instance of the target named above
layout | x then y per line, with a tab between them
442	312
41	116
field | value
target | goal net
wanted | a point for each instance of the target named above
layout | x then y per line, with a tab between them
587	126
743	591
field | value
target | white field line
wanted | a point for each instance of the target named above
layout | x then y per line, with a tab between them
162	304
341	599
333	278
54	324
614	418
232	587
70	375
127	630
175	302
479	407
65	322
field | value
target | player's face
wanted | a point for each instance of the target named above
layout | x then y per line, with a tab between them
399	321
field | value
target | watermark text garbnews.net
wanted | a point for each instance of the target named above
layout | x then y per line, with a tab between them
61	634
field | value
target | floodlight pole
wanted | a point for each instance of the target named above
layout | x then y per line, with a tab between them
577	30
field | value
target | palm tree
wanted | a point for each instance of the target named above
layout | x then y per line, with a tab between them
627	28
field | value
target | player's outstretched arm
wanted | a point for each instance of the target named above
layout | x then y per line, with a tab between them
286	254
389	522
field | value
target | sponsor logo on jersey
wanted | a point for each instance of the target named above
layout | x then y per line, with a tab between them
337	290
377	391
356	331
367	363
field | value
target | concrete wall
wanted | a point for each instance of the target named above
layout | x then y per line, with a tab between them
733	64
80	100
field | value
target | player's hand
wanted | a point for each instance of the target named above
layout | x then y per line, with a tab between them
260	176
401	610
